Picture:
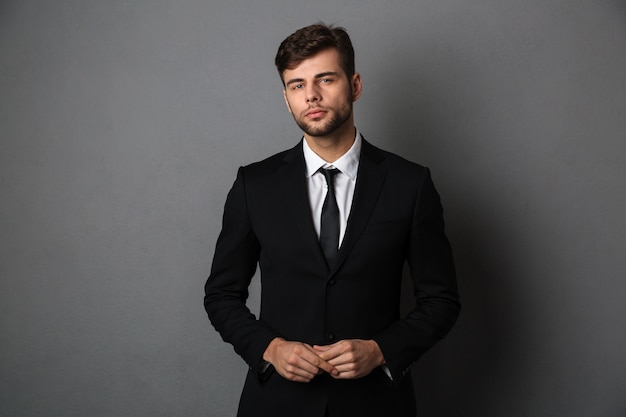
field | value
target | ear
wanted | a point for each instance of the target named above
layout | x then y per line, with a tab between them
286	101
357	87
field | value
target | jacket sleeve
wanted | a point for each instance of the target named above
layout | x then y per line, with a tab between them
226	290
433	275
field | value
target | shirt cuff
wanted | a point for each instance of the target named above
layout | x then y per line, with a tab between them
387	371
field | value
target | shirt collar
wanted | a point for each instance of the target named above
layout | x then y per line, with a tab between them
348	163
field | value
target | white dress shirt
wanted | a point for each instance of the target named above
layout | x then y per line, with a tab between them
345	181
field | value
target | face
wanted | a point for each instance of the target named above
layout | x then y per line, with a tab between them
319	95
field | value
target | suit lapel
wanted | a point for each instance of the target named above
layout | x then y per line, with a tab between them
293	182
370	180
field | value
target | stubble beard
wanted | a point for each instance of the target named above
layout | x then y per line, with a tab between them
337	119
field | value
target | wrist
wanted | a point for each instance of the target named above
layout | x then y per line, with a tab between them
269	351
380	358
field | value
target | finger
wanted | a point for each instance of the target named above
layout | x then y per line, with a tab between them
300	372
309	364
329	368
323	348
294	363
304	374
324	365
313	363
330	352
298	378
346	353
342	360
346	375
351	371
320	348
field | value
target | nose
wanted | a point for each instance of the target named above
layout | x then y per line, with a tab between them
312	93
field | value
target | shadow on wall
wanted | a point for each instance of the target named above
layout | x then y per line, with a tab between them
459	376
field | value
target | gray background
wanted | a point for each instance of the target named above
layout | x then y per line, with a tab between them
122	124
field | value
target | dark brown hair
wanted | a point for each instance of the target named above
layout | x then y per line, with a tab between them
310	40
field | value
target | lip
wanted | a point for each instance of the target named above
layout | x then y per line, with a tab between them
316	113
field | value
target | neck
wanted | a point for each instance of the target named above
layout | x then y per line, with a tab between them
332	147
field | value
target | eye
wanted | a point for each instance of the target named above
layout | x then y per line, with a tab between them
326	80
297	86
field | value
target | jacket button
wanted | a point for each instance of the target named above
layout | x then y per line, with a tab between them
332	281
330	336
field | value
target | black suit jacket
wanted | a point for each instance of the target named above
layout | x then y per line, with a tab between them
396	217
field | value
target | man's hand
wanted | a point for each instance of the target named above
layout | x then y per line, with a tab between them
352	358
296	361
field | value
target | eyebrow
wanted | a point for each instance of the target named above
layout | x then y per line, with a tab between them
317	76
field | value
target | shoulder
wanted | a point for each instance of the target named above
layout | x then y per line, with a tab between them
391	161
273	163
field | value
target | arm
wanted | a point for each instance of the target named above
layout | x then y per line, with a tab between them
226	290
432	271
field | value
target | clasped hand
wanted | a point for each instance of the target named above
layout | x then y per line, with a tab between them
346	359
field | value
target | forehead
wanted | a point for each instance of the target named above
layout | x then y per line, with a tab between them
324	61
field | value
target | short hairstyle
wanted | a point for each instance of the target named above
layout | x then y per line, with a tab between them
310	40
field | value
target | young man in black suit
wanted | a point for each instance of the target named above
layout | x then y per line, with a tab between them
331	223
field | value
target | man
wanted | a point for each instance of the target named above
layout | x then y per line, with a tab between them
331	224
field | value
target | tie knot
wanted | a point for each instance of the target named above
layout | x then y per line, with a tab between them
329	174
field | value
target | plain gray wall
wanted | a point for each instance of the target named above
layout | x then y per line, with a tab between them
122	124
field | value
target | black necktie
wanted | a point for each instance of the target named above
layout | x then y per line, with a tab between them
329	230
